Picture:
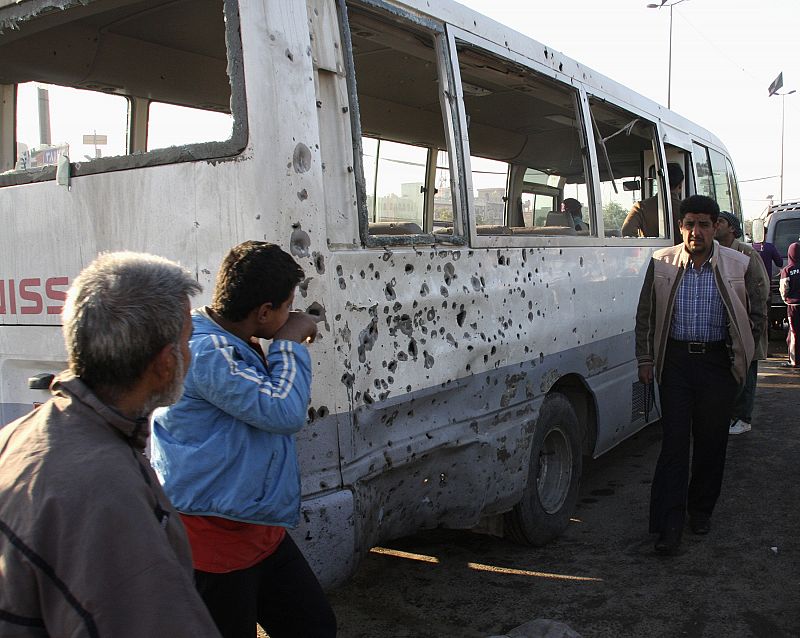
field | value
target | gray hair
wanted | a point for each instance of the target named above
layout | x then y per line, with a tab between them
120	312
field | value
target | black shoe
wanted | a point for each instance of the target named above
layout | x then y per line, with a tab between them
700	526
668	542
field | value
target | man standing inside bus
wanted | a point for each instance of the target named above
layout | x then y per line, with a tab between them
642	220
225	451
694	337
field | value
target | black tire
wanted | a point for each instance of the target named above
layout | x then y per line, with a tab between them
553	479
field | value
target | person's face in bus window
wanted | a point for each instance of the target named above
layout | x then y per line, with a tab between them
698	231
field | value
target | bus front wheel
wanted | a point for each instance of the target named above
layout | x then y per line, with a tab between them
554	476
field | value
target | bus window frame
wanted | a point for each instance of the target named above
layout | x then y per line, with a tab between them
223	150
581	111
450	127
661	163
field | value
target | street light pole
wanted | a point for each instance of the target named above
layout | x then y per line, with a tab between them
783	112
669	63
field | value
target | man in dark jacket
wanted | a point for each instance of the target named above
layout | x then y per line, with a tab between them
90	544
790	293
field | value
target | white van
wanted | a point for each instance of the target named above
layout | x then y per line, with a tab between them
475	342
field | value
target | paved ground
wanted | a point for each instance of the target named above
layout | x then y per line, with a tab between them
601	577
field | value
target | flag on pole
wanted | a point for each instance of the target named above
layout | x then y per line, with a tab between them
776	85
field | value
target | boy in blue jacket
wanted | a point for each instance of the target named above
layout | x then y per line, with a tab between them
226	452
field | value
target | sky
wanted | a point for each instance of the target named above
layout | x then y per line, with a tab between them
725	54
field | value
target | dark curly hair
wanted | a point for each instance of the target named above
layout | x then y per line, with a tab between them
254	273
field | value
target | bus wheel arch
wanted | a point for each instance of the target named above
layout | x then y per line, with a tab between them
563	430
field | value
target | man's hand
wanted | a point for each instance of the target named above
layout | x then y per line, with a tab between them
300	327
646	373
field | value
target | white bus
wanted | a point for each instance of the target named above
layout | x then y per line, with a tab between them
475	342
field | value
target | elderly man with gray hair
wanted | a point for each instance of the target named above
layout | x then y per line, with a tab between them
90	544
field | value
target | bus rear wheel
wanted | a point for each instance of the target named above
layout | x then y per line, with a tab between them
554	476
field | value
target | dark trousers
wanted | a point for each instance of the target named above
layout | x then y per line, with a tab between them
743	408
281	593
697	394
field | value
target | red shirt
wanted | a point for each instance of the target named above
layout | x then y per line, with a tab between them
220	545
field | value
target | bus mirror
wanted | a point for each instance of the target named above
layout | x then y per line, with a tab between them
632	185
757	231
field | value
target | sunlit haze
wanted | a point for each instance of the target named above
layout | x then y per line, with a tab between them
725	55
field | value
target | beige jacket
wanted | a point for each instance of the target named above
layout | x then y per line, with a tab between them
759	297
90	545
735	283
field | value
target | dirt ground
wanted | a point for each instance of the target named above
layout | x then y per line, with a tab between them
601	578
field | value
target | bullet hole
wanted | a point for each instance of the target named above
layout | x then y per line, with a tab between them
342	283
323	411
494	350
312	414
451	340
541	357
389	291
367	339
377	275
573	291
319	263
501	260
476	284
387	255
444	292
424	290
431	315
530	316
402	356
303	286
397	305
392	366
317	311
406	325
299	241
302	195
301	159
412	349
339	270
409	269
338	317
428	360
363	274
368	398
290	55
348	379
581	261
449	273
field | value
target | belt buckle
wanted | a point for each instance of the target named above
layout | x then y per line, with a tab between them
697	347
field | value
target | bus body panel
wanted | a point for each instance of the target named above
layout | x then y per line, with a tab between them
433	357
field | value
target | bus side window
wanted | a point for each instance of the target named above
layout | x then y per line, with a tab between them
404	155
623	140
527	153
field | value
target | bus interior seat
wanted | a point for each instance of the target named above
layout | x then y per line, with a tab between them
555	218
394	228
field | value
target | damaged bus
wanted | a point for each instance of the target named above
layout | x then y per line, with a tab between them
476	341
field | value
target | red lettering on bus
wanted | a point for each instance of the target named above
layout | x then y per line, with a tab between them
33	295
53	294
30	295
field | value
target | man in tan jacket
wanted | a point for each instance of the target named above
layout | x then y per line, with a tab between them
694	336
90	545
